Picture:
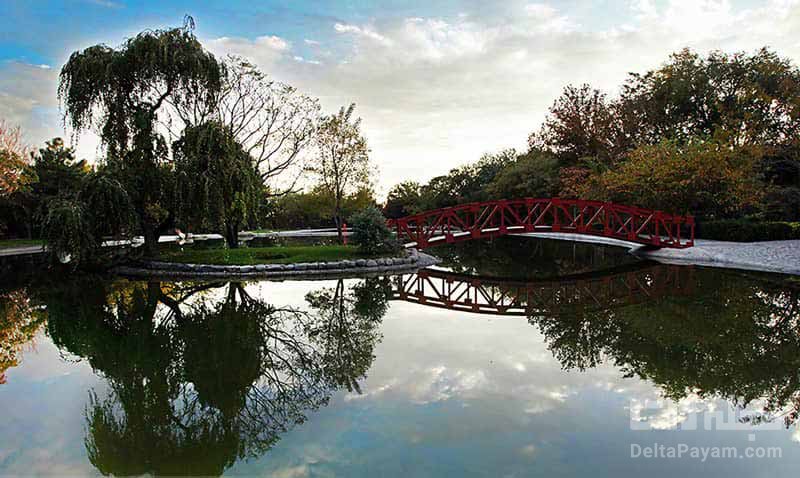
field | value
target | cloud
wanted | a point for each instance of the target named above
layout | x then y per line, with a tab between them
265	50
28	99
106	3
435	92
365	32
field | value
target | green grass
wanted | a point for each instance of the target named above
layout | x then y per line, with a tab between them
9	243
263	255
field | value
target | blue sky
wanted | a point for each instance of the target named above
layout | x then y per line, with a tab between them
438	83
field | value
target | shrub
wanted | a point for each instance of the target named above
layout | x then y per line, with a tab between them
370	233
68	233
744	230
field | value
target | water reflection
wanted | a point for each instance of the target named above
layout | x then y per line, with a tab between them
735	337
522	258
202	375
20	320
487	295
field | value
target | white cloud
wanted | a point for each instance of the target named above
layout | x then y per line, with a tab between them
365	32
265	50
438	92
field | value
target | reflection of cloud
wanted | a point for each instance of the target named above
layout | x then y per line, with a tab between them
666	414
528	450
441	383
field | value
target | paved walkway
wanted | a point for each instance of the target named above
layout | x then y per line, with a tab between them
770	256
20	251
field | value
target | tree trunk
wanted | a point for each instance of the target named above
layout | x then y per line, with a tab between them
339	233
232	236
150	241
337	212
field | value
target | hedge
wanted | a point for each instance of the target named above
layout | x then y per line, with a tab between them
743	230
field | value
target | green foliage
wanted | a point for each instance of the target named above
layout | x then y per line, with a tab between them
581	124
74	226
370	232
314	209
68	232
466	183
342	163
265	255
123	90
534	174
404	199
741	98
109	209
219	186
746	230
705	178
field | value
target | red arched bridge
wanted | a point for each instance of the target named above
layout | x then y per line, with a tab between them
555	215
483	295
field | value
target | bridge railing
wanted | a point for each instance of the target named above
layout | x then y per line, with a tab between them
575	216
466	293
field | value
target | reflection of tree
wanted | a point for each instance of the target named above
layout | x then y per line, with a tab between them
200	375
735	338
526	258
347	327
19	322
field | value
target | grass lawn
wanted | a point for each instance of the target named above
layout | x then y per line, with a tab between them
263	255
9	243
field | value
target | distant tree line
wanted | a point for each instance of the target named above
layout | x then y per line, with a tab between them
715	136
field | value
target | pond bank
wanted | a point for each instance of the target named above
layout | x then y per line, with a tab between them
771	256
413	261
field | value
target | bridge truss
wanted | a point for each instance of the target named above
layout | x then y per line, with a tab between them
575	216
468	293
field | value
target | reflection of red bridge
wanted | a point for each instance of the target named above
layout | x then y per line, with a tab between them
469	293
575	216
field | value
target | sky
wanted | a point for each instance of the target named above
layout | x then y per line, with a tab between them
437	83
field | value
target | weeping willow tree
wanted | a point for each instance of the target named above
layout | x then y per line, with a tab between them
218	181
121	92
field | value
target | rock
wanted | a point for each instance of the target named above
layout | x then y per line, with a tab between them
288	267
301	266
371	263
361	262
348	264
261	268
246	269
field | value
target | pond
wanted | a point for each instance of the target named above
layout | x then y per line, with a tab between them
518	357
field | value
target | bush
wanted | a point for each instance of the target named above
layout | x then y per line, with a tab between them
68	233
370	233
744	230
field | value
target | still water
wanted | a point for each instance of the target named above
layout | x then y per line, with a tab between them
515	358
